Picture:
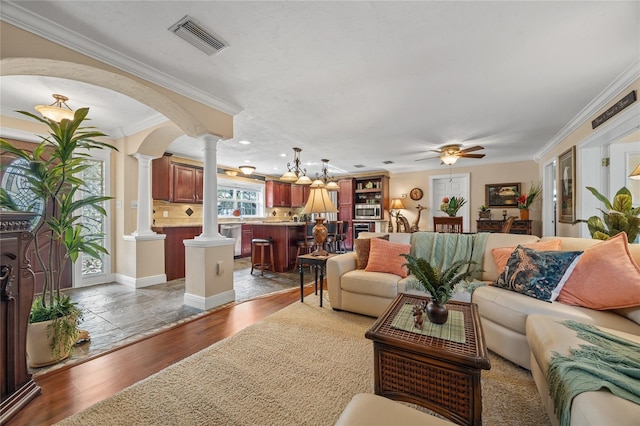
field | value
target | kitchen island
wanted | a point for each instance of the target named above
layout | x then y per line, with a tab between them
285	235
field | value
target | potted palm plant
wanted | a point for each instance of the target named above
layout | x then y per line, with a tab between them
53	175
439	284
619	216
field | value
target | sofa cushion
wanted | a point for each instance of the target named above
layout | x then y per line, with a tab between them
606	277
501	254
373	283
363	249
538	274
495	240
510	310
386	257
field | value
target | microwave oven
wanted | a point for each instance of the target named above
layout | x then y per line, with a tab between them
368	211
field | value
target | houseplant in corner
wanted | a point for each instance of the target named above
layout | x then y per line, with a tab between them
439	284
52	172
619	216
525	200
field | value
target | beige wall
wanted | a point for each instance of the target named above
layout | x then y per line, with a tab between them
524	172
573	139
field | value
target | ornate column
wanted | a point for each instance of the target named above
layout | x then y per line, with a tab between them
143	218
210	193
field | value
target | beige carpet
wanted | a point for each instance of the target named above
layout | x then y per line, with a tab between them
300	366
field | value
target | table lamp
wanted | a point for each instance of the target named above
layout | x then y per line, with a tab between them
319	202
396	204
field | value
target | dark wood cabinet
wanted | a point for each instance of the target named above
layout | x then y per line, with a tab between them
277	194
300	195
17	385
284	239
518	227
247	236
372	190
176	183
345	208
174	251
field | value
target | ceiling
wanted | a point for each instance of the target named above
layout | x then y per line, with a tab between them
360	83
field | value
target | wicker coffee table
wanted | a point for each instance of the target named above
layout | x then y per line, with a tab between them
436	373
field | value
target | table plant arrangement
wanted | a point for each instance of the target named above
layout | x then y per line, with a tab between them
439	284
619	216
451	205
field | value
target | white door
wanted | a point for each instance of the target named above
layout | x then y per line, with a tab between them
549	211
455	185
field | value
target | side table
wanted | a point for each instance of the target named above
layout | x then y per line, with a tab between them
319	264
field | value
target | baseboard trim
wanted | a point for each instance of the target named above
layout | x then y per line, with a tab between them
206	303
140	282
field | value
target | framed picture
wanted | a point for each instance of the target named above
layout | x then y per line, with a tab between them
501	194
566	182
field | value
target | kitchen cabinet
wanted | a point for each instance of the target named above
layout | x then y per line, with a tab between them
300	195
174	251
187	184
247	236
175	182
345	208
277	194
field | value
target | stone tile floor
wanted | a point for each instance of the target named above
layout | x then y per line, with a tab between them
115	314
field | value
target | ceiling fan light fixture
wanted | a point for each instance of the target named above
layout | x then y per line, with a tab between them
58	110
449	159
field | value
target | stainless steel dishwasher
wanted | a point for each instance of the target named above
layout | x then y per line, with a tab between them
233	230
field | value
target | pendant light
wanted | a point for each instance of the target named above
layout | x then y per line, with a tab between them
58	110
294	173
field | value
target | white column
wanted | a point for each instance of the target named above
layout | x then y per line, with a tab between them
143	218
210	193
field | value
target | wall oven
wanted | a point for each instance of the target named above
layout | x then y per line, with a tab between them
368	211
359	227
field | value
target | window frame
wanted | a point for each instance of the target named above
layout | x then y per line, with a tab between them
258	188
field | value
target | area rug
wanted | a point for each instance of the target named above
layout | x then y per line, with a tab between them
300	366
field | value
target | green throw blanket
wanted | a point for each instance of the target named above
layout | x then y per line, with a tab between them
609	362
441	250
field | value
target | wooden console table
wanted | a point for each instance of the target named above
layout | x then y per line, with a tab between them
490	225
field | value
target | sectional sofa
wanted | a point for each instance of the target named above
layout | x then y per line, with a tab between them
522	329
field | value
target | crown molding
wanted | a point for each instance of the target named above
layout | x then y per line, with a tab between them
15	14
624	80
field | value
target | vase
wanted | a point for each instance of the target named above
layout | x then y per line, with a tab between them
524	214
437	313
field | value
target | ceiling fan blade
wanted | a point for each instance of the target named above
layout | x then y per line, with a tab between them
473	148
427	158
471	155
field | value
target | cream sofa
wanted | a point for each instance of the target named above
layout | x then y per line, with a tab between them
508	318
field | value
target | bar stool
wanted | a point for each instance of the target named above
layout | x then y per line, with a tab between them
261	243
305	246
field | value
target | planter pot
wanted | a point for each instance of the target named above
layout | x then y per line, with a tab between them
39	353
524	214
437	313
485	214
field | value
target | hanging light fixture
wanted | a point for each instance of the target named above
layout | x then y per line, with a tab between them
58	110
247	170
324	180
294	173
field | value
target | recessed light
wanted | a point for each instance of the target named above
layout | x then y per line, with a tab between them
283	155
244	142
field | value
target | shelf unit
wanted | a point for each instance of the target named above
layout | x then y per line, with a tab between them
372	190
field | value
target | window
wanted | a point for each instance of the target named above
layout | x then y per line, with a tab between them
243	199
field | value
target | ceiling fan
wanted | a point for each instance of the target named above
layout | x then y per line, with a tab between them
449	154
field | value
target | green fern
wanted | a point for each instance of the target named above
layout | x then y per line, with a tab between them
439	283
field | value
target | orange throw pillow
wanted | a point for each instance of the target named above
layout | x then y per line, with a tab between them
501	254
385	257
606	277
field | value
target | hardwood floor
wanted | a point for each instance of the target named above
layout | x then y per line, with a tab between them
67	391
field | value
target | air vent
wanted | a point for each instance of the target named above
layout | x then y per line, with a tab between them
387	162
190	31
358	166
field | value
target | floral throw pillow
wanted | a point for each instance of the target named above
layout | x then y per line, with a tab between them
538	274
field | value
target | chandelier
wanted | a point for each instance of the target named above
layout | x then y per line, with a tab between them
56	111
294	173
324	180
